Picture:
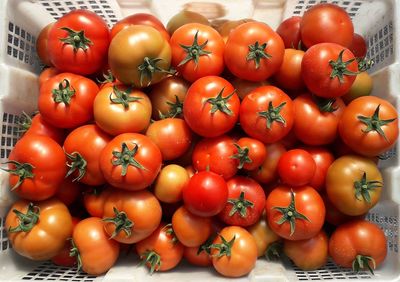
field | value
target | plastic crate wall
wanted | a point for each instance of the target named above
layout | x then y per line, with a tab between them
18	81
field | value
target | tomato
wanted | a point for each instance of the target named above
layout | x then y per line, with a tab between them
197	256
211	106
131	216
267	172
334	216
36	166
328	70
185	17
234	252
130	161
217	155
69	191
95	200
78	42
326	23
253	51
140	19
41	45
160	251
295	215
46	74
358	244
267	114
172	136
362	86
244	87
93	249
38	230
369	126
251	153
316	119
289	74
170	182
226	28
197	51
296	167
246	202
139	55
308	254
63	258
358	46
289	31
66	100
263	235
206	194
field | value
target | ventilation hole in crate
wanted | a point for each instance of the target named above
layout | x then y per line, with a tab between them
49	271
351	7
380	47
4	243
390	226
10	135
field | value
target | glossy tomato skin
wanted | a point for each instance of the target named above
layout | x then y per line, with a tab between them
137	177
37	125
257	152
97	252
316	70
81	61
198	259
358	46
47	237
202	97
46	74
67	112
289	74
326	23
296	167
63	258
170	182
254	112
226	28
185	17
41	45
334	216
47	159
352	129
289	31
244	87
362	86
237	50
95	200
206	194
263	235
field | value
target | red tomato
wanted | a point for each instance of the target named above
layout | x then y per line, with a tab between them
296	167
69	191
358	46
197	256
244	87
289	31
94	201
63	258
289	74
197	51
334	216
211	106
46	74
251	153
41	45
206	194
78	42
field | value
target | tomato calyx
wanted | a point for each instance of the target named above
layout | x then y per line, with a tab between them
153	259
242	155
240	205
175	109
24	122
26	220
219	103
23	170
273	114
364	64
125	158
64	93
108	77
274	251
290	214
123	97
339	68
257	52
77	163
121	222
224	248
364	187
77	39
325	105
74	252
170	232
148	68
373	122
194	51
362	262
206	246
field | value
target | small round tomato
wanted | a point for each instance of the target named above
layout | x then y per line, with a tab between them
263	235
46	74
185	17
358	46
251	153
289	31
63	258
41	45
362	86
94	201
225	28
197	256
289	75
69	191
244	87
170	182
296	167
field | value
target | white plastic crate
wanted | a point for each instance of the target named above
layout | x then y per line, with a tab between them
20	23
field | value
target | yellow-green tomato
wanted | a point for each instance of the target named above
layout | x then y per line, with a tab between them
170	182
362	86
185	17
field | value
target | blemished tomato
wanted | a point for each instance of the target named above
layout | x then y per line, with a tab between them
334	216
38	230
369	126
295	214
46	74
316	119
63	258
211	106
140	19
41	45
197	51
296	167
251	153
170	182
354	184
171	135
246	202
130	161
234	252
206	194
83	147
95	200
36	167
197	256
308	254
225	28
120	109
289	31
358	46
78	42
362	86
191	230
160	251
329	70
93	249
244	87
263	235
131	216
267	114
185	17
66	100
253	51
326	23
69	191
139	55
289	74
358	244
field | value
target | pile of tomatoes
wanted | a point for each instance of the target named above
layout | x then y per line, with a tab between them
217	144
